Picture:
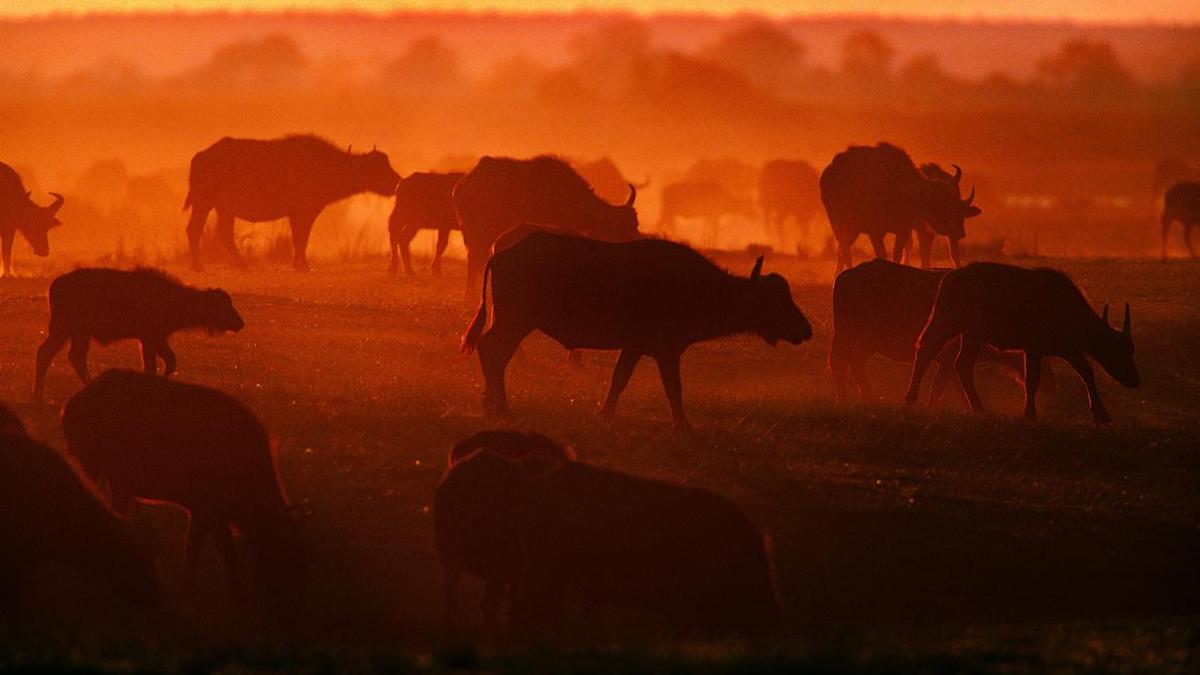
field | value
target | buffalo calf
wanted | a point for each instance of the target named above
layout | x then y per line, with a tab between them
146	437
1040	312
424	201
143	304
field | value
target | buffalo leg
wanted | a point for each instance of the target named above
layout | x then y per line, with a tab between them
225	223
149	357
668	371
168	356
878	244
45	354
195	231
6	244
475	262
845	256
925	247
1081	366
1033	377
902	242
301	229
858	370
620	378
964	365
954	254
78	356
932	341
443	240
942	378
496	347
403	243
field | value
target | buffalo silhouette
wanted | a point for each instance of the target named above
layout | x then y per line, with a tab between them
18	213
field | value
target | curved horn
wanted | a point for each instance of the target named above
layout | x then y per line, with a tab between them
1104	314
970	198
56	204
632	195
1125	328
374	147
350	149
957	173
757	271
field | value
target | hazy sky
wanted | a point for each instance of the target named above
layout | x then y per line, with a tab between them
1080	10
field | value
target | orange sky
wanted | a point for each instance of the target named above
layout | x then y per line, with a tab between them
1080	10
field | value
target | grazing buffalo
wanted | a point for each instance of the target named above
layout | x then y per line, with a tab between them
705	200
424	201
788	189
49	514
606	179
470	506
149	438
18	213
1181	204
880	307
501	193
1036	311
294	177
548	525
878	190
143	304
648	297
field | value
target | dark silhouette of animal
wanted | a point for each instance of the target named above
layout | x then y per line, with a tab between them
294	177
143	304
788	189
1040	312
48	513
1181	204
549	527
648	297
469	515
708	201
1171	170
501	193
880	307
424	201
606	179
149	438
18	213
878	190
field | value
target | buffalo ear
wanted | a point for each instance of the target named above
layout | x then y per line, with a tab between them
757	271
1125	328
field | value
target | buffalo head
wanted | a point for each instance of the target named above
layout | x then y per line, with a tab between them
947	210
38	221
775	315
1115	351
218	314
374	173
615	223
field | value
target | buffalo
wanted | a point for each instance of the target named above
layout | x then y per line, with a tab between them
880	307
424	201
48	513
18	213
294	177
1039	312
469	530
788	189
1181	204
142	304
878	190
647	297
706	200
149	438
501	193
547	526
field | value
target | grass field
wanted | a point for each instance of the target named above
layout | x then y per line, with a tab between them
905	540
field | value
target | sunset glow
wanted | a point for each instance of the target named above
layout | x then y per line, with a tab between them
1084	11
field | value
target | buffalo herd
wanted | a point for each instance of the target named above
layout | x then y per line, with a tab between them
518	511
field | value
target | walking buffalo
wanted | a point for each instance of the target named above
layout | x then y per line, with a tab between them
1181	204
18	213
880	307
49	514
648	297
1036	311
149	438
294	177
878	190
424	201
706	200
501	193
142	304
546	528
788	189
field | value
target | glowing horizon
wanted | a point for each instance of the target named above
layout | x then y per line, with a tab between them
1083	11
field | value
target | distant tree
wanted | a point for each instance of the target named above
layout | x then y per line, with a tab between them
429	66
762	51
272	61
1088	65
867	55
